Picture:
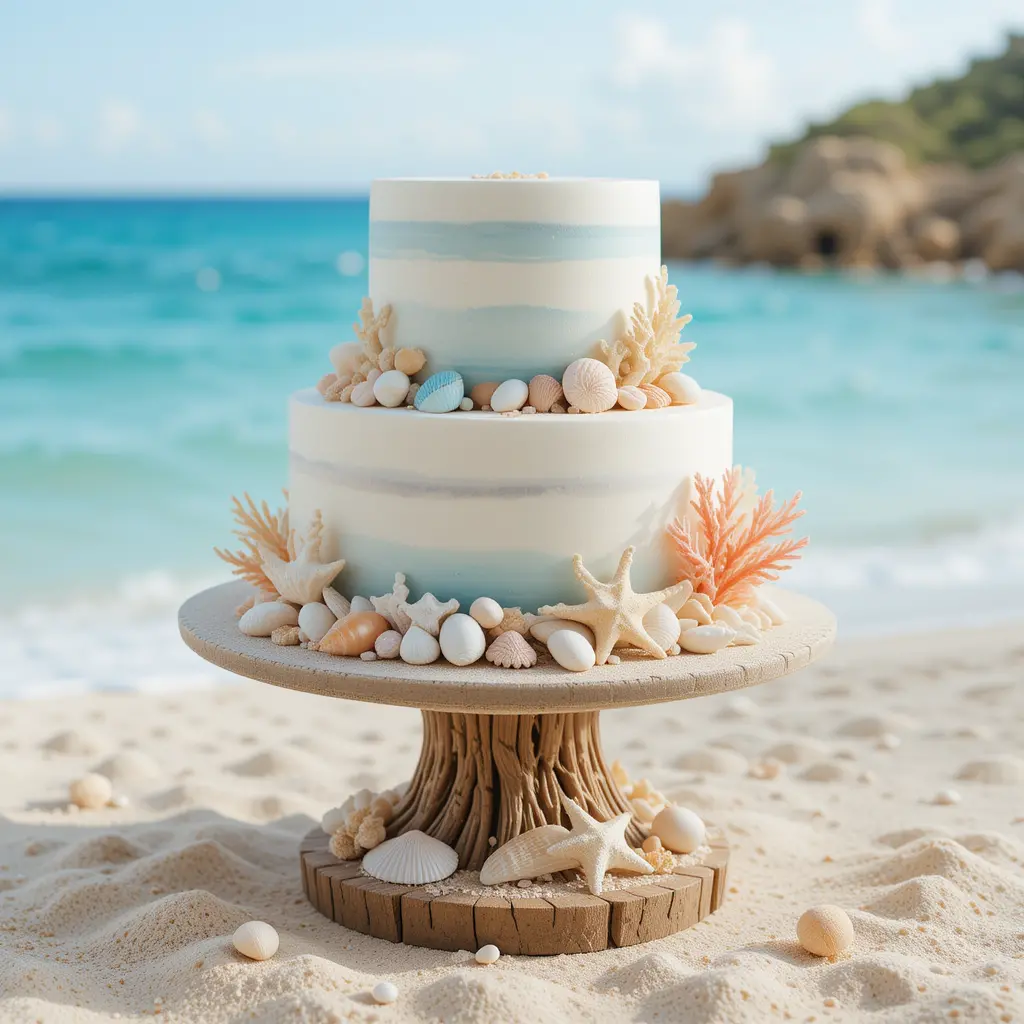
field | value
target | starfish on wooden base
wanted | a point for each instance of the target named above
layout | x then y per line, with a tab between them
598	846
614	612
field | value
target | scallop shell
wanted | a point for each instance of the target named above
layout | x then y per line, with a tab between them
354	635
263	619
419	647
662	626
256	939
656	398
481	393
410	360
542	630
511	650
413	858
526	856
441	392
510	395
683	390
590	386
487	612
346	357
338	603
462	640
362	395
631	398
390	389
571	650
544	392
315	620
707	639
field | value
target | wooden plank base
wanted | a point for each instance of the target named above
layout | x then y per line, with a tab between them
657	906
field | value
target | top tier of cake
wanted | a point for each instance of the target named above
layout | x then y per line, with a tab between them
503	278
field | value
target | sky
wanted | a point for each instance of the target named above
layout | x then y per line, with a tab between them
325	95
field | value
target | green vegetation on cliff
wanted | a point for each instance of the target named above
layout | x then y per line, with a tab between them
975	120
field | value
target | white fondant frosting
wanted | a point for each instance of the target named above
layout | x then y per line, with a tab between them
501	278
472	504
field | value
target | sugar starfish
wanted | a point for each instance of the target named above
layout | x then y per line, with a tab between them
302	580
428	613
614	612
598	846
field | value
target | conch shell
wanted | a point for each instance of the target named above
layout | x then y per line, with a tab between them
526	856
354	635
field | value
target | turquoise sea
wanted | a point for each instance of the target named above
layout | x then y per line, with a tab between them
147	348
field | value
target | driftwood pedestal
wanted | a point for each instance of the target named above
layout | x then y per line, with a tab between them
500	747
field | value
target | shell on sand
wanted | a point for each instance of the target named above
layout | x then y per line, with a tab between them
413	858
590	386
544	392
526	856
263	619
511	650
256	939
354	635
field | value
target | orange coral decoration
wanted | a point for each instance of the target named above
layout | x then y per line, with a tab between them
732	551
258	526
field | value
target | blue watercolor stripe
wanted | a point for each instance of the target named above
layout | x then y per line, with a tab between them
511	241
499	342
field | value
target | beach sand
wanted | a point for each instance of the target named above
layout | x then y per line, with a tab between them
129	912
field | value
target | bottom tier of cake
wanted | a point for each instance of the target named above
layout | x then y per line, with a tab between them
472	504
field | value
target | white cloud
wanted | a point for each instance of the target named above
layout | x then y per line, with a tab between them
349	63
878	26
120	125
211	129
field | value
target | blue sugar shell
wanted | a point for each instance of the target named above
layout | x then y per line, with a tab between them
440	392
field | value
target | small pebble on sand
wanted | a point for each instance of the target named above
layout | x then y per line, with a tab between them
385	992
487	954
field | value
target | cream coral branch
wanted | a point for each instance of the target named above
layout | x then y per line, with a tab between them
369	328
257	528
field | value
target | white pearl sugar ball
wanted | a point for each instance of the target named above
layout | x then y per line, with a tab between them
487	954
384	992
91	792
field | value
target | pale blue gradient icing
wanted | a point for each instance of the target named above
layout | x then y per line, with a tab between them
500	342
511	242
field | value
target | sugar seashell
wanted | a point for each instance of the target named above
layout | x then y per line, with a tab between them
462	640
511	650
771	609
441	392
315	620
384	993
544	392
487	955
413	858
825	931
91	791
346	357
510	395
410	361
362	395
590	386
390	389
487	612
679	829
731	617
571	650
362	604
662	626
693	609
419	647
324	383
481	393
642	810
256	939
680	388
631	398
542	630
466	405
707	639
656	398
746	636
388	644
263	619
354	635
704	600
685	624
373	376
338	604
526	856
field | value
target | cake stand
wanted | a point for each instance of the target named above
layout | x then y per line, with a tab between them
499	748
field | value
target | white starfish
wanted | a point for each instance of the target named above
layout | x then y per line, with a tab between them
428	613
598	846
303	579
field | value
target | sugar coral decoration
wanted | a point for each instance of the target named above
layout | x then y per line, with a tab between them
258	528
615	612
650	347
731	552
369	328
598	846
303	579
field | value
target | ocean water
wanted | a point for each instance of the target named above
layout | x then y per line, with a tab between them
147	349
